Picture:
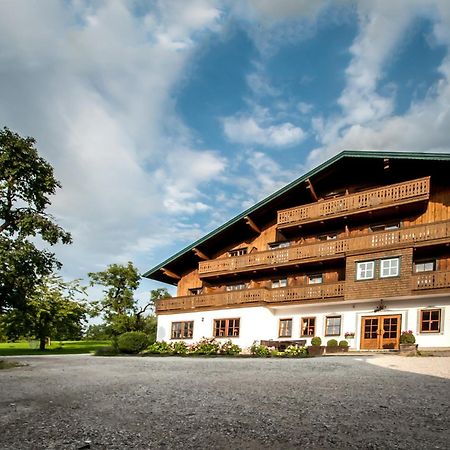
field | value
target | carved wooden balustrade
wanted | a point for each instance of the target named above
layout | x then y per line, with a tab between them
394	194
431	280
249	296
302	253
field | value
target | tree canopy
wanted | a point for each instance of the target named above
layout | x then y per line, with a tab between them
53	310
26	184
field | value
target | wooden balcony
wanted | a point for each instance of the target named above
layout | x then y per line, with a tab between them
370	200
431	280
304	253
251	296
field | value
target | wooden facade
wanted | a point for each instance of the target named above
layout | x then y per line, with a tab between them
387	237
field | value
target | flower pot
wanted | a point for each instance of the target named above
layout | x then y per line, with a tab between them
316	350
343	349
408	349
333	349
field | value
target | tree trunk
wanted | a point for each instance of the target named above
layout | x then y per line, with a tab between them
42	342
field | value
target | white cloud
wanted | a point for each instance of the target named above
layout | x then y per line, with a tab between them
246	130
93	84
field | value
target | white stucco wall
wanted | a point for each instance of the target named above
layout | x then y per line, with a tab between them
258	323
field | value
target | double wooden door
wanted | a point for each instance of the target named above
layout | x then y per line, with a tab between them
380	332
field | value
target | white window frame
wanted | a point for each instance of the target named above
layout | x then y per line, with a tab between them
277	245
424	266
236	287
363	272
393	270
315	278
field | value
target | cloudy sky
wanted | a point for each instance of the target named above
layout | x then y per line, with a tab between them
165	118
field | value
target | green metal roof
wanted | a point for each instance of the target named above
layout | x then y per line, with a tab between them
319	168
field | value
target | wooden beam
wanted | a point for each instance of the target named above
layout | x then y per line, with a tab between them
311	190
199	253
170	274
252	224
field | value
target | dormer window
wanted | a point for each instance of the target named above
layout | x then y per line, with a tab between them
279	283
238	252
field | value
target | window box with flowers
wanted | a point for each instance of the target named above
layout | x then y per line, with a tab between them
350	335
408	343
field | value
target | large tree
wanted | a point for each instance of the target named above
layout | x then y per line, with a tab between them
119	307
26	184
55	310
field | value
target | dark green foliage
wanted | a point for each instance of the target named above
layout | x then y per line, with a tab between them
132	342
179	348
343	344
316	341
260	350
228	348
332	343
407	337
98	332
26	184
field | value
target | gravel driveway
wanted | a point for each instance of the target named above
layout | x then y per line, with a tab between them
79	401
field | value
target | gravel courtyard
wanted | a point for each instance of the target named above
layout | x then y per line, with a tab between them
80	402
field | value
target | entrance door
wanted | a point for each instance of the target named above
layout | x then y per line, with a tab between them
380	332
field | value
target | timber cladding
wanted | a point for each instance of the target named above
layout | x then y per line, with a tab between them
379	287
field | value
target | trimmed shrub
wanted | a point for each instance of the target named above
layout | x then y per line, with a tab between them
343	344
296	351
316	341
160	348
228	348
260	350
132	342
332	343
206	347
407	337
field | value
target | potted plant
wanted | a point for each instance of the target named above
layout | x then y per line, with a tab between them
332	346
408	342
343	346
316	349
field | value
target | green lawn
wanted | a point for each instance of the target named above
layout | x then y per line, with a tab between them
57	347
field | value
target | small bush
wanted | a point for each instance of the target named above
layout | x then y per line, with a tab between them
332	343
260	350
179	348
343	344
106	351
206	347
407	337
296	351
160	348
228	348
316	341
132	342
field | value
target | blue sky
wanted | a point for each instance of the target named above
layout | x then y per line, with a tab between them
163	119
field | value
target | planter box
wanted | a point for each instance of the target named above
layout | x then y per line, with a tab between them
333	350
316	350
408	349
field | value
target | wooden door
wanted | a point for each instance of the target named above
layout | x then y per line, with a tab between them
380	332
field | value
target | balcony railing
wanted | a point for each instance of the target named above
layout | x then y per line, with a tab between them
249	296
431	280
371	199
333	248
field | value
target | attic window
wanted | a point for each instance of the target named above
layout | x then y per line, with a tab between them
236	287
238	252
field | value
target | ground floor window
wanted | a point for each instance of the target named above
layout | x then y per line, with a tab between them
333	326
226	327
430	321
285	329
182	330
308	326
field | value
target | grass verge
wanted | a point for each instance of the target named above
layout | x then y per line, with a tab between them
56	348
